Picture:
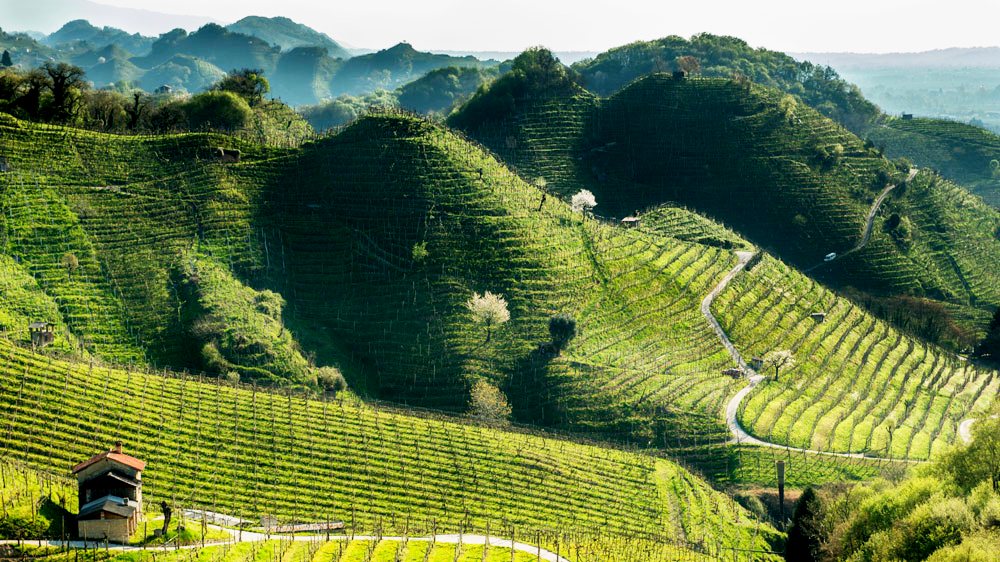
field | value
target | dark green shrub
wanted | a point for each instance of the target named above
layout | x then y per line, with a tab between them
217	110
562	328
805	534
331	379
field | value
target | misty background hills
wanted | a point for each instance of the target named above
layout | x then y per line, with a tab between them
189	53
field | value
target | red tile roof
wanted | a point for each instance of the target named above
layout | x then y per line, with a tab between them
115	456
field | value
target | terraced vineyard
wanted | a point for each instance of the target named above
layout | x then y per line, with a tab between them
124	207
248	452
960	152
859	386
345	213
777	172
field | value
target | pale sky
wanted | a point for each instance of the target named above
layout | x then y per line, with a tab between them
589	25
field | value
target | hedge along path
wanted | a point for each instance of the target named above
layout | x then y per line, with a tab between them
248	452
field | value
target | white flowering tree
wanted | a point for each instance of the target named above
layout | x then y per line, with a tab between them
783	359
583	202
488	309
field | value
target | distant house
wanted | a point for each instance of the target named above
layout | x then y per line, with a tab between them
680	74
110	494
818	317
907	117
42	334
757	363
164	89
631	222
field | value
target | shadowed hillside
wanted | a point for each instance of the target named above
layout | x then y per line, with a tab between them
775	170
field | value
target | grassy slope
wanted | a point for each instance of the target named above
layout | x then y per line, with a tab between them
249	453
129	209
960	152
33	503
331	228
730	153
357	204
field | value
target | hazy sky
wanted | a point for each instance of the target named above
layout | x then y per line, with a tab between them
511	25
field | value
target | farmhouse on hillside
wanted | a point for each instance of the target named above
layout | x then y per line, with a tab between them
42	334
110	488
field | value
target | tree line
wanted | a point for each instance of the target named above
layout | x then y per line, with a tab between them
59	93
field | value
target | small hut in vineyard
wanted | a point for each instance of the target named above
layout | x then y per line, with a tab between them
110	493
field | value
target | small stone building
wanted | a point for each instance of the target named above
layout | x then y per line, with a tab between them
110	494
631	222
42	333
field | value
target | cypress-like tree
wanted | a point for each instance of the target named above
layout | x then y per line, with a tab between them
803	544
6	61
989	348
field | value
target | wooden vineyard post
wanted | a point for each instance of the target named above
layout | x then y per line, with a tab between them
780	466
513	536
486	543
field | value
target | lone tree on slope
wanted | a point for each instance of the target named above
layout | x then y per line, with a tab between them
804	535
779	360
690	65
989	348
65	81
6	61
488	403
583	202
488	309
248	83
562	328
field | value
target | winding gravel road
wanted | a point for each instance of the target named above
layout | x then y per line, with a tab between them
733	406
739	435
866	236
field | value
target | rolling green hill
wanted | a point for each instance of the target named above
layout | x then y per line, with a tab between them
440	90
962	153
215	44
299	257
346	213
773	169
723	57
393	67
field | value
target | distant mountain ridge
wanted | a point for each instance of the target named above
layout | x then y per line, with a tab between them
303	65
83	30
955	57
48	15
288	34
